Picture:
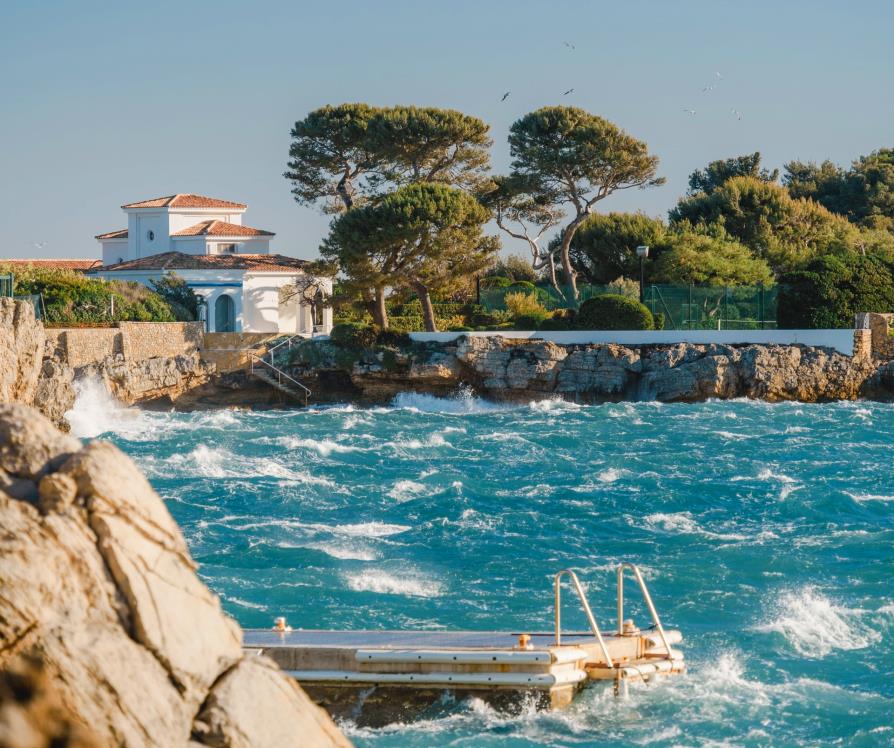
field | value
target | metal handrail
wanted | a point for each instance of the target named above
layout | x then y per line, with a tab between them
279	373
281	343
649	604
594	627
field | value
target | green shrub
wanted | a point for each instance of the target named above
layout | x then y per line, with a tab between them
528	322
831	290
561	319
521	304
658	318
459	328
613	312
75	298
354	335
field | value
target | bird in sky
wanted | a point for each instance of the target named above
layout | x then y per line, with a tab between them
689	111
708	89
570	46
506	96
718	76
570	90
39	245
737	113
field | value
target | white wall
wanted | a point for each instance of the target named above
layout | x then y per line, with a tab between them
114	250
841	340
139	223
189	245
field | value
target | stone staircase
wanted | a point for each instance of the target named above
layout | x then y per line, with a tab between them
264	368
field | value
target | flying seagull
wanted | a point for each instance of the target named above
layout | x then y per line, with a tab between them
569	45
737	113
719	76
570	90
708	89
506	96
39	245
689	111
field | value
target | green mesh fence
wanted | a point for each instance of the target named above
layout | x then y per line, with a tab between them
682	307
5	284
714	307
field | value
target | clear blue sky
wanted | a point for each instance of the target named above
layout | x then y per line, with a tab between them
106	103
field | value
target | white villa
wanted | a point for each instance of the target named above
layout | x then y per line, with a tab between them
229	264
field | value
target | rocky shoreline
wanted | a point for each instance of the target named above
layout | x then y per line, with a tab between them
506	369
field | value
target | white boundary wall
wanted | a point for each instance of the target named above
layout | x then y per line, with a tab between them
841	340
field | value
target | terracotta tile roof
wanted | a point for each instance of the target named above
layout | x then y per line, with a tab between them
120	234
182	261
59	264
221	228
182	200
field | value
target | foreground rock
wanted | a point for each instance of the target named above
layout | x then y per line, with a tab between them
98	585
521	369
29	373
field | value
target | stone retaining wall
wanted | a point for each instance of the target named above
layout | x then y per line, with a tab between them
135	341
880	327
229	351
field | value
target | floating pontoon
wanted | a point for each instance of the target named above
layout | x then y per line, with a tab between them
382	676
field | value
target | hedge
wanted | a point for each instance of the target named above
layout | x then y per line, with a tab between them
832	289
614	312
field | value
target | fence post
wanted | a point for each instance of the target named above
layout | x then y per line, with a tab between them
689	310
760	305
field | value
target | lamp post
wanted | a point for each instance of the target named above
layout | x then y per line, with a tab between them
642	251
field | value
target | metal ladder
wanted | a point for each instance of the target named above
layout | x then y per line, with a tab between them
594	627
259	366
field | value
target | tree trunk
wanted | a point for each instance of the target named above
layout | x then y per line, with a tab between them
343	189
568	272
428	311
379	312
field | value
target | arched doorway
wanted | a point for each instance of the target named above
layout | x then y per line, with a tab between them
224	314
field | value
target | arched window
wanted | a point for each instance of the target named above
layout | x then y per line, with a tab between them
224	314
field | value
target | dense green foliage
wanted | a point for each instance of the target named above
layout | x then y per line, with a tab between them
354	335
354	152
604	247
831	290
716	173
778	228
424	237
613	312
864	193
184	302
74	298
689	257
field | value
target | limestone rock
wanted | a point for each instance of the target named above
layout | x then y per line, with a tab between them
99	586
26	374
31	713
279	714
507	368
151	379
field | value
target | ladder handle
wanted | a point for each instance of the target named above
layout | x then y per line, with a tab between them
646	596
594	627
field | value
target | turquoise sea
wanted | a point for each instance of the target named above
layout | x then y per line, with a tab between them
766	533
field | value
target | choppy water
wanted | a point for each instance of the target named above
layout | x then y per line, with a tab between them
765	532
